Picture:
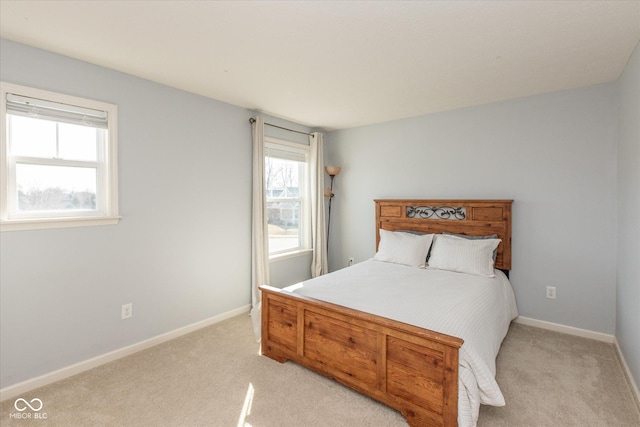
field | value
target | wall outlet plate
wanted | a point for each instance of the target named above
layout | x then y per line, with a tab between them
551	292
127	311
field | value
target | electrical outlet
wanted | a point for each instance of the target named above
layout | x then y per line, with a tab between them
551	292
127	311
350	261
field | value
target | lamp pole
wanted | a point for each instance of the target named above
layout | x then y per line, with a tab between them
329	219
332	171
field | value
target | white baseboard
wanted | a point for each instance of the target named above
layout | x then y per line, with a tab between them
570	330
627	371
25	386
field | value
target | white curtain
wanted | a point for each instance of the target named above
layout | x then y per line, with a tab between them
319	264
259	241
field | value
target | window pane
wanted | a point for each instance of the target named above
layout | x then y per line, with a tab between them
57	188
32	137
283	218
78	142
282	177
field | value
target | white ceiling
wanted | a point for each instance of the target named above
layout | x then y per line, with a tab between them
340	64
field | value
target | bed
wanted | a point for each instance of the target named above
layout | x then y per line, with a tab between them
416	363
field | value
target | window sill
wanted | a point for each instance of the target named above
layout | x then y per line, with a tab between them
40	224
280	257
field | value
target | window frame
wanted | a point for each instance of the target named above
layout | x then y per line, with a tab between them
305	198
106	167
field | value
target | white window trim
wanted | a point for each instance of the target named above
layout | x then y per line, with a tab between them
306	208
291	254
109	215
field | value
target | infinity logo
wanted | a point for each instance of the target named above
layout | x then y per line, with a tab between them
23	408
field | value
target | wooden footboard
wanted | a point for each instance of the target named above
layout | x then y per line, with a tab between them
411	369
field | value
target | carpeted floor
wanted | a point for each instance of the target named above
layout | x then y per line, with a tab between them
553	379
215	377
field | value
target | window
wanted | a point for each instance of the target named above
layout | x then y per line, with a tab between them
286	182
59	166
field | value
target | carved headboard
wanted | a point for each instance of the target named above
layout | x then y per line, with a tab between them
470	217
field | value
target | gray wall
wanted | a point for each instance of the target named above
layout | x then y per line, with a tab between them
181	253
628	290
554	154
288	271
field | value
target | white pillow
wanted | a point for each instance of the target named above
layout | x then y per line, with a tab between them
404	248
463	255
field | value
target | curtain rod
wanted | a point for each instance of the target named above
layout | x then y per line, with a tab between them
252	121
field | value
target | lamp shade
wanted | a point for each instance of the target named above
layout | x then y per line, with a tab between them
333	170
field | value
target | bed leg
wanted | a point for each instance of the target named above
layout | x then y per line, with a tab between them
274	354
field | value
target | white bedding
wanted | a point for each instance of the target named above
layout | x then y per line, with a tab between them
476	309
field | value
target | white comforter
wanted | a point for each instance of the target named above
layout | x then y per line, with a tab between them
476	309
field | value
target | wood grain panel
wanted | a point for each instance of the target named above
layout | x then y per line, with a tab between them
343	347
391	211
415	372
282	324
493	213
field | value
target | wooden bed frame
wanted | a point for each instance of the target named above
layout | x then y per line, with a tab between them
411	369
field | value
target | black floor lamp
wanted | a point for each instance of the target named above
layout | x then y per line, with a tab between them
332	171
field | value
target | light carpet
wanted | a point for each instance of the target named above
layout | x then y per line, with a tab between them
215	377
